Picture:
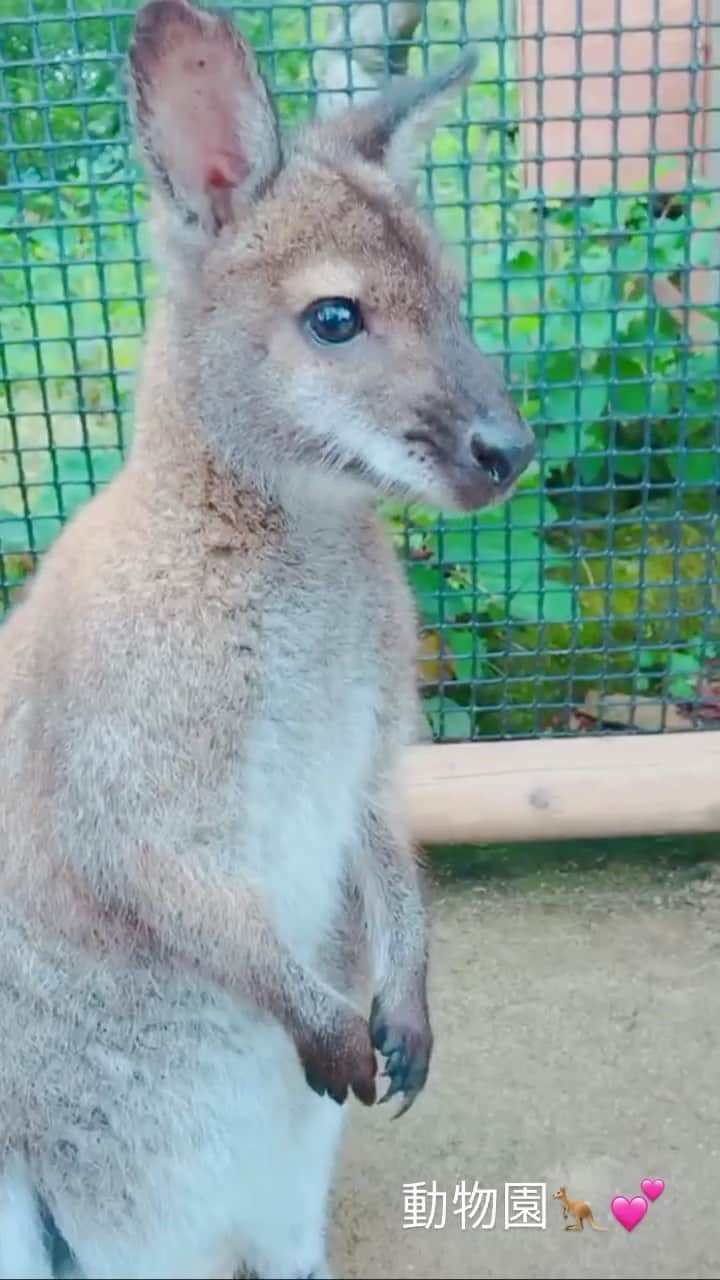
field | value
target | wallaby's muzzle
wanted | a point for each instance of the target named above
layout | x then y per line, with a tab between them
479	438
479	457
492	456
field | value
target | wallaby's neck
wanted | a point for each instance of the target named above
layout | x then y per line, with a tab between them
165	437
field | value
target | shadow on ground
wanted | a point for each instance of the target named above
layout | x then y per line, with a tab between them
576	1003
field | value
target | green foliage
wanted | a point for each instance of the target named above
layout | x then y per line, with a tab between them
602	572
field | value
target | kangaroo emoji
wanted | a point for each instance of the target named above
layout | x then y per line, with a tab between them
577	1209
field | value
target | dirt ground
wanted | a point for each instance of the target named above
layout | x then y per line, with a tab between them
577	1022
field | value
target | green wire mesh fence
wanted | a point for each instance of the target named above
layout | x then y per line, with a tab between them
579	186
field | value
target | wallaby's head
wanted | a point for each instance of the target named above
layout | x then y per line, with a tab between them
313	326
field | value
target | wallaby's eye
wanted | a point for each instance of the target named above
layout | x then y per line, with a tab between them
334	320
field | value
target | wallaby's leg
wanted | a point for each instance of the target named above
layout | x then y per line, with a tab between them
293	1241
23	1255
253	1202
397	930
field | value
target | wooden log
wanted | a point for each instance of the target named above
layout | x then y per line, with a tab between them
564	788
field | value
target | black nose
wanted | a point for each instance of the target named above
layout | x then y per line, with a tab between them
500	464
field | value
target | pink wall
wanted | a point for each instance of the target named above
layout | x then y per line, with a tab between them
635	49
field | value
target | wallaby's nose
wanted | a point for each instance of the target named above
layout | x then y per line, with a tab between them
502	464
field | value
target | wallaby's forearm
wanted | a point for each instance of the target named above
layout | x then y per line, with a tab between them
395	911
397	937
219	928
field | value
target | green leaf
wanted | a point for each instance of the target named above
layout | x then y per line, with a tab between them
631	396
631	466
529	510
468	650
596	328
602	213
703	248
427	585
560	329
694	467
683	670
560	407
14	534
561	443
633	256
447	720
583	404
592	468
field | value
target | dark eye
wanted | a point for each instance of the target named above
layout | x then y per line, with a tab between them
334	320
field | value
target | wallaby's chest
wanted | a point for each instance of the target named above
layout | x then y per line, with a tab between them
318	721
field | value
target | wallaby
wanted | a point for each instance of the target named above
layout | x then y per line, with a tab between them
578	1209
212	917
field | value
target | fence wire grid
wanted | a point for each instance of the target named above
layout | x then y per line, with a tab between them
579	185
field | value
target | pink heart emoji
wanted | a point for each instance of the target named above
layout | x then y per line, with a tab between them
653	1187
629	1212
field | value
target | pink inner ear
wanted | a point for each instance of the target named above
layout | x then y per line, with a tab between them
224	169
194	74
216	180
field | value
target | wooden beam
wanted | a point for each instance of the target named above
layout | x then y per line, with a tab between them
564	788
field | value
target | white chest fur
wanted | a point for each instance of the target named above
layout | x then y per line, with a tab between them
312	739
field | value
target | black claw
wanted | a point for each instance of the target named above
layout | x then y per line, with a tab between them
406	1105
400	1073
406	1077
315	1082
318	1085
406	1065
338	1094
394	1088
394	1060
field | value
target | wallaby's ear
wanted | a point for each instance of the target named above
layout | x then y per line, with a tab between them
202	112
390	128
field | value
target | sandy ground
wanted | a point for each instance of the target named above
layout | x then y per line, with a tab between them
577	1042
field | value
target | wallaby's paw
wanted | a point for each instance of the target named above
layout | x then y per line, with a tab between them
341	1059
405	1040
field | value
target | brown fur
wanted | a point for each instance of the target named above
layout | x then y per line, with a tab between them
205	693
